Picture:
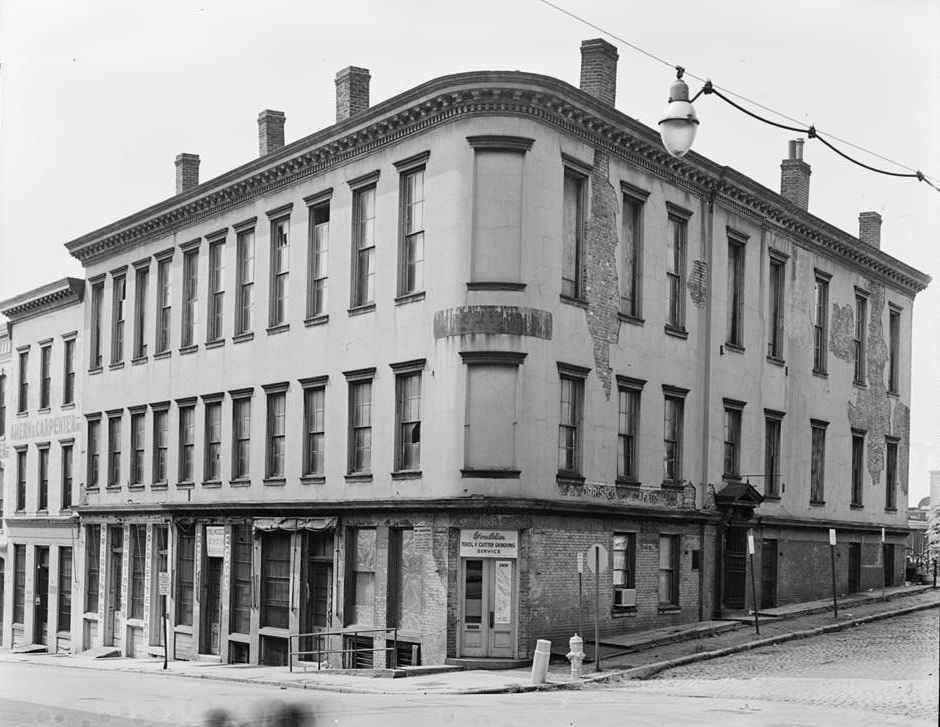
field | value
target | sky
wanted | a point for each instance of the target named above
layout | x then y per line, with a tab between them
97	98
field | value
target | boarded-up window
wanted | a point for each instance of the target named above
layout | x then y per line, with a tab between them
404	568
497	216
360	576
491	416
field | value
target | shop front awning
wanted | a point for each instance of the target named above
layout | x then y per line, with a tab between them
317	524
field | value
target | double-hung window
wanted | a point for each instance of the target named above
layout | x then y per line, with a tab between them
734	411
22	403
119	292
94	451
777	283
68	377
138	446
631	258
571	419
360	421
673	410
411	235
891	473
216	289
894	349
668	571
19	584
43	503
280	269
363	242
276	432
21	479
821	324
241	435
736	249
360	581
858	467
114	449
3	405
164	305
190	295
318	254
628	428
624	570
141	283
212	464
859	344
64	607
574	201
773	425
66	494
244	279
817	474
45	375
161	429
676	243
314	426
97	305
408	384
187	441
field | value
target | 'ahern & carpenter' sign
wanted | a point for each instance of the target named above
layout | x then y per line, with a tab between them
489	543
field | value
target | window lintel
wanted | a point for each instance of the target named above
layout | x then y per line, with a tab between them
276	388
244	225
312	382
637	194
675	210
364	180
360	374
413	162
280	212
734	404
320	197
629	382
675	391
500	142
417	364
495	358
573	370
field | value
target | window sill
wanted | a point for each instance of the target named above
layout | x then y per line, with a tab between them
854	506
669	609
359	477
859	384
43	410
820	374
94	370
116	366
676	332
771	498
192	348
360	310
241	337
138	360
277	328
495	285
137	487
817	503
93	489
731	477
623	612
184	485
162	355
158	486
239	483
217	343
67	406
671	485
274	481
491	474
22	414
628	482
407	298
632	320
317	320
569	478
212	484
113	488
776	361
406	475
734	347
894	394
891	509
578	302
313	480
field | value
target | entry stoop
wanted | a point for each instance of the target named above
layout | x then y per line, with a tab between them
30	649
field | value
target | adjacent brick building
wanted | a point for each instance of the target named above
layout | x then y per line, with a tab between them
405	372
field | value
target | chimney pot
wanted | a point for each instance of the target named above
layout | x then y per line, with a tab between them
352	92
869	228
794	176
187	172
270	131
599	69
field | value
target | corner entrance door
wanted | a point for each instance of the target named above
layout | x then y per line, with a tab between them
488	611
212	616
112	618
41	609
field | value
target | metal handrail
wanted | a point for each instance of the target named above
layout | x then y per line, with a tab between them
318	635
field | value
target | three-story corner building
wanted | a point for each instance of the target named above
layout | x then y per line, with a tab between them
40	390
388	381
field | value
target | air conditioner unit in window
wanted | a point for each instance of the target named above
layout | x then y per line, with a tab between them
625	597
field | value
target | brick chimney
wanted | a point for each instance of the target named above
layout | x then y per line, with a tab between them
599	69
869	228
352	92
794	176
270	131
187	172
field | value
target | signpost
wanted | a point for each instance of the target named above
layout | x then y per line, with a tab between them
597	561
884	563
750	552
832	552
163	585
580	597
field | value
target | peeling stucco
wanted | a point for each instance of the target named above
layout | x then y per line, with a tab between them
901	428
698	283
602	289
842	332
493	320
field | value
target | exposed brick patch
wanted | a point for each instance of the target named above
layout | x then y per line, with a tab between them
602	288
698	283
842	332
871	411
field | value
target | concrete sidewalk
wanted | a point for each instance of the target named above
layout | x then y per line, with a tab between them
631	656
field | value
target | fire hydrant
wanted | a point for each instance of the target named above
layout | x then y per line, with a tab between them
576	655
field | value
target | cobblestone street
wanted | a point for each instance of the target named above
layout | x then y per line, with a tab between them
889	666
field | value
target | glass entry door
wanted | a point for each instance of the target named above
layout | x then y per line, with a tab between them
488	607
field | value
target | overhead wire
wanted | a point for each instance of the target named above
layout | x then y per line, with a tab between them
709	88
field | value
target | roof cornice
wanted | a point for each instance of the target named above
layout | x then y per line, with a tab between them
507	93
43	299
